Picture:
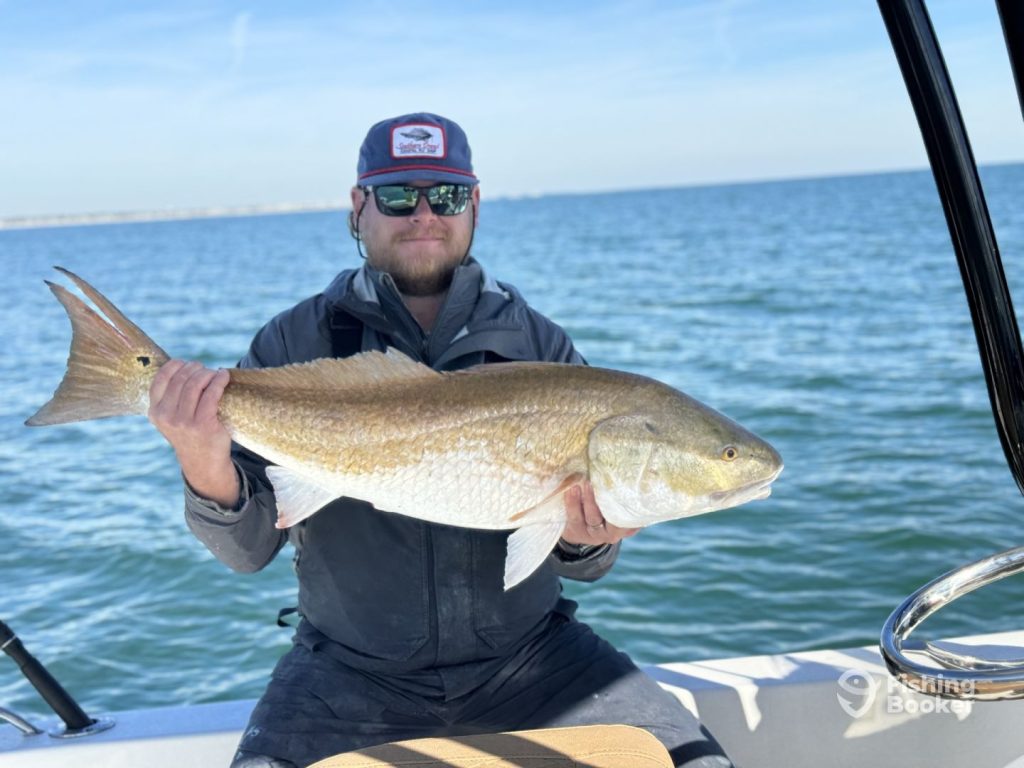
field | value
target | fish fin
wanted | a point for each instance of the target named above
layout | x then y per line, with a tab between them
500	369
110	364
337	374
528	547
565	485
297	498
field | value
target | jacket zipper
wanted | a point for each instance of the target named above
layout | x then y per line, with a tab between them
408	319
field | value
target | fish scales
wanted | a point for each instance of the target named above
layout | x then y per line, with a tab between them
481	452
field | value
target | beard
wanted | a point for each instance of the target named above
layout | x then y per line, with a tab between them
417	279
424	275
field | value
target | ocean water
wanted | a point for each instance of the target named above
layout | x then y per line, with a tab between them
827	315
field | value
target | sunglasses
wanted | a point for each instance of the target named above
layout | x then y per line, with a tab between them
443	199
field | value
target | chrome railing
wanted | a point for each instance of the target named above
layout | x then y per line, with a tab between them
951	674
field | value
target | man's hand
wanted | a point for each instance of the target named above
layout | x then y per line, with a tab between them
183	400
585	524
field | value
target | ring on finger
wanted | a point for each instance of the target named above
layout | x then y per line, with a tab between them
593	528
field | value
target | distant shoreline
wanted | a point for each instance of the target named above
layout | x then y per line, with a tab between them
238	211
176	214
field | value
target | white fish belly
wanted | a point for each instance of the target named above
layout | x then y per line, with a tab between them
464	487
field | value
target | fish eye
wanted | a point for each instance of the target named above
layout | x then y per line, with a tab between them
729	453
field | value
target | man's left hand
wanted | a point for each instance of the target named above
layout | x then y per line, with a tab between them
586	525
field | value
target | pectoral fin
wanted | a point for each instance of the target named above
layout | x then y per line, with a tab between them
528	547
297	497
553	498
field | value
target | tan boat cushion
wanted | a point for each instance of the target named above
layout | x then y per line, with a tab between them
590	746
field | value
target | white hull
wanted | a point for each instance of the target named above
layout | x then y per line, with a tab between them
768	711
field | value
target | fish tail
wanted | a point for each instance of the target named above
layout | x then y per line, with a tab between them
110	366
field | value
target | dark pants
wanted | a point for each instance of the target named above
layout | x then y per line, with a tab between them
316	706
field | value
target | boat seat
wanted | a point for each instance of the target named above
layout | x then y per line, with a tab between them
589	746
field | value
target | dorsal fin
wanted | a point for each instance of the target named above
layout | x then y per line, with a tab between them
366	368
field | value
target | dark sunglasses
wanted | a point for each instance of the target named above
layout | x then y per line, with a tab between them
399	200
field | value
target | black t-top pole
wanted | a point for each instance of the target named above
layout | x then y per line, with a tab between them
58	699
952	161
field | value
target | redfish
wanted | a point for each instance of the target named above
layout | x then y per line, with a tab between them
491	447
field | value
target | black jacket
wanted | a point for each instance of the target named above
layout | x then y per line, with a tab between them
384	592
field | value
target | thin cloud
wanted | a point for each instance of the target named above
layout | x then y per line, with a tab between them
239	39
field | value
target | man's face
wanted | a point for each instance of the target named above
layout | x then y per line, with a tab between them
419	251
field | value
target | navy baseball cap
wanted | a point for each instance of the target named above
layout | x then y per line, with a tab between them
417	147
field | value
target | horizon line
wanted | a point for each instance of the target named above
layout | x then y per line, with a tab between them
46	221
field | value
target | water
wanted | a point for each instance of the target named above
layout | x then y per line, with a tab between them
827	315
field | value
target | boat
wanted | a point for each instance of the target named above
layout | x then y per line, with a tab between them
953	703
836	707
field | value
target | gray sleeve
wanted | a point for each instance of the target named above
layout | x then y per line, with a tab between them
243	538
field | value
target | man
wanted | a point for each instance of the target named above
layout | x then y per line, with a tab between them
406	631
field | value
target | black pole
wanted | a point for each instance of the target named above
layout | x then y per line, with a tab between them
970	227
1011	15
58	699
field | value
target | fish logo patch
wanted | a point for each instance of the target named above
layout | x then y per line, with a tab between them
418	140
416	134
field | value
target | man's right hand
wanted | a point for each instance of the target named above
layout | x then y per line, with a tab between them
183	400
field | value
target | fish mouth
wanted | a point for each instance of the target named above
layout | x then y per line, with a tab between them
752	491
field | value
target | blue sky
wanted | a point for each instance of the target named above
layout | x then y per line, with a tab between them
122	106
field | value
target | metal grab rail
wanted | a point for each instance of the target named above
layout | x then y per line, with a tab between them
958	676
995	325
23	725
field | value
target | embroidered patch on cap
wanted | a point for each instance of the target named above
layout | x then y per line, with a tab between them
417	140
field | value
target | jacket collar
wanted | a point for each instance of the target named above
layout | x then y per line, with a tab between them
370	295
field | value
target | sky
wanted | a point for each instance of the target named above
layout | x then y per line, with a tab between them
132	106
